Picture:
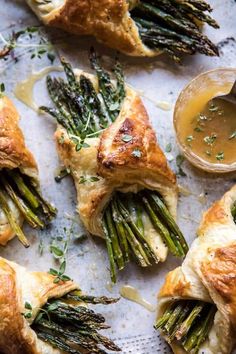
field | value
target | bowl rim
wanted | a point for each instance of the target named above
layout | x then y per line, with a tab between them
188	154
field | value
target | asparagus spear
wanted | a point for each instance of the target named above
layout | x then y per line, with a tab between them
23	188
167	218
114	239
159	22
173	247
29	215
188	321
110	250
200	332
120	229
148	248
71	327
77	296
7	211
185	326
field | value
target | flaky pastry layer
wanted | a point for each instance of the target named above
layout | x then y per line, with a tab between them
13	154
118	169
18	286
109	21
209	274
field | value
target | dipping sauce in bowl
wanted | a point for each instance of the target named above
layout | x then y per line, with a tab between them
206	129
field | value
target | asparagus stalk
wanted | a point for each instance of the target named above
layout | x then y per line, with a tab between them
56	341
187	321
70	327
200	332
78	296
173	247
114	239
163	211
110	250
185	326
23	188
126	215
7	211
120	229
170	25
29	215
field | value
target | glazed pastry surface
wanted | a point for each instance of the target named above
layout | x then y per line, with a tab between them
17	286
13	154
114	162
208	273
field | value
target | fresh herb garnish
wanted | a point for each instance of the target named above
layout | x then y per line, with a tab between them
127	138
232	136
59	274
189	139
27	314
209	140
2	89
220	156
84	179
168	147
213	108
179	162
198	129
28	35
137	153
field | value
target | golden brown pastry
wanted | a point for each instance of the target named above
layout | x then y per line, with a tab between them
136	27
204	286
29	306
18	178
126	191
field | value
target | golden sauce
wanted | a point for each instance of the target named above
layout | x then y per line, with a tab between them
24	90
132	294
208	129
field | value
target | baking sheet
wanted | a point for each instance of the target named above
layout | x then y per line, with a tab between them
87	262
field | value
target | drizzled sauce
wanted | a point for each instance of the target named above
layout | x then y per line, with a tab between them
24	90
132	294
208	129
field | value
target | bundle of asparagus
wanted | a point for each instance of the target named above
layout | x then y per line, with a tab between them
188	322
173	26
196	303
42	315
22	191
84	109
67	324
135	27
20	197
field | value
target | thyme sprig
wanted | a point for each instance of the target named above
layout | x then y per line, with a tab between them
26	38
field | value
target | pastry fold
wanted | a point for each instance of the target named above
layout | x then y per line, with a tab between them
119	165
109	21
208	273
13	155
17	287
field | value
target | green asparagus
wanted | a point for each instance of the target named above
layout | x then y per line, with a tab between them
188	322
23	193
67	325
84	110
173	26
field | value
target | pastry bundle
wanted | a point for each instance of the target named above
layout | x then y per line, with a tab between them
126	192
197	308
43	313
20	196
135	27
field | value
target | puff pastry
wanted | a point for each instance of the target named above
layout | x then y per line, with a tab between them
123	161
23	295
137	28
16	158
208	274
